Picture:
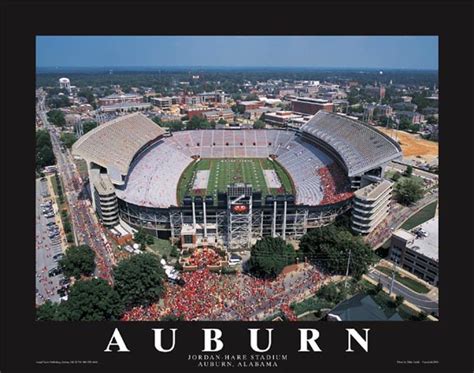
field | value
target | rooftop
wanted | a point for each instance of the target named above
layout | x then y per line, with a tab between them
427	246
313	100
124	95
255	102
373	191
101	182
403	234
361	307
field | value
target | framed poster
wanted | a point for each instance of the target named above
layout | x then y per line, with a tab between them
268	192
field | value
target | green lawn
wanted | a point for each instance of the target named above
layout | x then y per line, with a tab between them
161	247
407	281
425	214
228	171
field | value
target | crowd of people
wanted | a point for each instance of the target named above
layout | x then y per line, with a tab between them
334	184
288	312
103	253
202	258
212	296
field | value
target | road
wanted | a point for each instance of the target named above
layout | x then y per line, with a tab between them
420	300
417	172
46	287
84	223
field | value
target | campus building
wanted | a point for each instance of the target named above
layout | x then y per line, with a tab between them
306	105
417	251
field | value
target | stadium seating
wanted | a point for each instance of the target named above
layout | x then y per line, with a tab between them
154	176
360	146
114	144
152	181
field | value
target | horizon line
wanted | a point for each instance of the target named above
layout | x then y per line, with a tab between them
236	67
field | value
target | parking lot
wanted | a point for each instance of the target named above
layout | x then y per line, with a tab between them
48	246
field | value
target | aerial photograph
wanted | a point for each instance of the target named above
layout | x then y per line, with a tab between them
237	178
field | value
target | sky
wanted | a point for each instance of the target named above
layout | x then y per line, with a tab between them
398	52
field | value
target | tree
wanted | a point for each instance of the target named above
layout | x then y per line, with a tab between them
58	101
329	292
409	190
88	126
157	120
222	121
142	238
173	125
44	150
89	96
92	300
174	252
79	260
396	176
329	247
139	280
252	97
67	227
399	299
258	124
238	109
197	122
408	171
68	139
48	311
404	124
70	237
269	256
415	127
57	118
149	239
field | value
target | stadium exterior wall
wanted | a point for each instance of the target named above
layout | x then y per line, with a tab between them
167	222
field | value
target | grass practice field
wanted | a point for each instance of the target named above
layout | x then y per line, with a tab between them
228	171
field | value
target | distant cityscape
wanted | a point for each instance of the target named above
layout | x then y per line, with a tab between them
279	194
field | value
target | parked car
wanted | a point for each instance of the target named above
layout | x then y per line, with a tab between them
54	272
64	281
58	256
234	260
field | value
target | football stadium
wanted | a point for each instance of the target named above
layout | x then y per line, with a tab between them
230	187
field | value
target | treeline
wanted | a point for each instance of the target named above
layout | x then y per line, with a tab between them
44	150
193	124
231	80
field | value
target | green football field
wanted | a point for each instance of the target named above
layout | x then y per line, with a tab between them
228	171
